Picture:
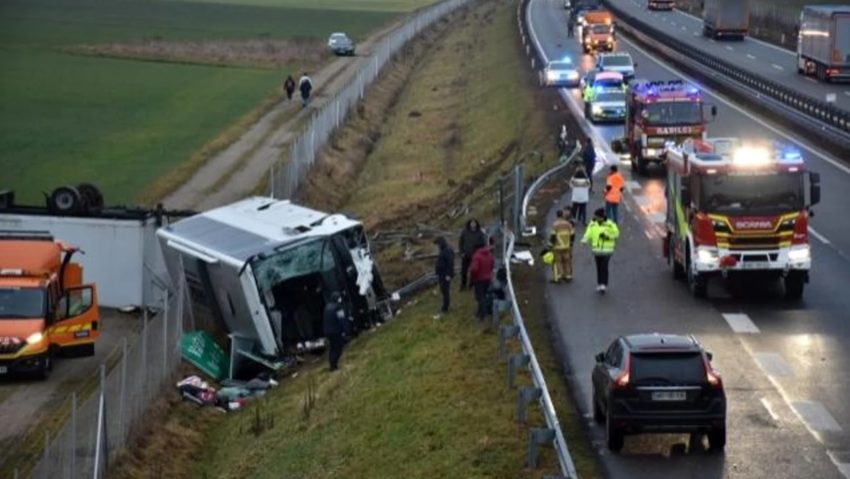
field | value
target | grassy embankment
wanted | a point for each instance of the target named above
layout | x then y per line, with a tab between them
73	111
420	397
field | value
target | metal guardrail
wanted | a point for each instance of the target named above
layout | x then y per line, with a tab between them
532	189
818	117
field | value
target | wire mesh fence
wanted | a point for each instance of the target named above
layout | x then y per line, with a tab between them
286	175
98	425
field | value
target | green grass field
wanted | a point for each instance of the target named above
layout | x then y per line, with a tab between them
120	123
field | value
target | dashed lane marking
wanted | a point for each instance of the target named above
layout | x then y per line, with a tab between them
730	48
751	57
769	408
812	80
684	28
633	185
657	218
815	416
696	34
741	323
774	65
773	365
847	93
642	201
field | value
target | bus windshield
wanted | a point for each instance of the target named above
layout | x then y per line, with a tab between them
17	303
760	194
673	113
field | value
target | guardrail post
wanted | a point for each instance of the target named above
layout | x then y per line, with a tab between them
72	444
526	395
536	437
516	361
506	332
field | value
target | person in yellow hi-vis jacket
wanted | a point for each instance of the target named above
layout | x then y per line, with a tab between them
561	241
602	235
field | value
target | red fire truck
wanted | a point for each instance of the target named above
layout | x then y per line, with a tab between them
658	113
736	207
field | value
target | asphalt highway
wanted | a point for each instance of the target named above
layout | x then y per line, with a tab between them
753	55
784	364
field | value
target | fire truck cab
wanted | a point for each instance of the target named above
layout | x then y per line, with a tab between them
658	113
736	207
44	307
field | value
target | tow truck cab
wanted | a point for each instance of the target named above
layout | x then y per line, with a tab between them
738	207
597	32
45	309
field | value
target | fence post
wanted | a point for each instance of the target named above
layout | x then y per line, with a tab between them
516	361
507	331
526	395
165	336
101	427
271	181
536	437
144	364
122	399
518	194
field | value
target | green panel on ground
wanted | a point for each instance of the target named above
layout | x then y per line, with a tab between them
200	349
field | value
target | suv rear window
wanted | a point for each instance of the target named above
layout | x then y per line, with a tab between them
674	368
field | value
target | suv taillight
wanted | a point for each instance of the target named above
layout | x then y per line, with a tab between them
622	380
711	376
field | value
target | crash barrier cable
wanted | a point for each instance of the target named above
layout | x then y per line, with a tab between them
285	179
820	117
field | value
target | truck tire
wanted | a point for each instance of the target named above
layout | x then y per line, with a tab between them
66	200
675	267
614	437
820	71
697	283
44	373
92	197
794	284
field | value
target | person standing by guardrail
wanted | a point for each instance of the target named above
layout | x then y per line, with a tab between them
445	270
589	160
579	194
481	274
469	240
602	235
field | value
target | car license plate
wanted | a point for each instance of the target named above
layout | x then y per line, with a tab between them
669	396
3	370
755	265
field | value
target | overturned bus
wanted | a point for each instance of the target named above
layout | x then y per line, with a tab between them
263	269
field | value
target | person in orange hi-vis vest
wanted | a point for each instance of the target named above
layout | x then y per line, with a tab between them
614	186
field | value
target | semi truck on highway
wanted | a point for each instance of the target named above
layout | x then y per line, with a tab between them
45	309
657	113
726	18
738	208
823	43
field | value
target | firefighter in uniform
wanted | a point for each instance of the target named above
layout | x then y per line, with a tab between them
561	240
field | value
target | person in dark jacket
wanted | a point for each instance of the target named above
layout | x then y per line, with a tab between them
444	269
334	323
289	87
481	274
589	159
305	86
471	236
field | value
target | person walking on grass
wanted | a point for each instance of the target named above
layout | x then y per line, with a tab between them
481	274
561	241
470	237
602	235
445	270
289	87
305	86
614	186
579	195
335	324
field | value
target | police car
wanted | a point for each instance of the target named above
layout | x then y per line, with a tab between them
561	73
604	97
620	62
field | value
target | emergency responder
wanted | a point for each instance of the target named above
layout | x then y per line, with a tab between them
602	235
614	186
335	325
561	241
589	160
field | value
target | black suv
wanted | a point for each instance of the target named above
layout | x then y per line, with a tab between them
658	383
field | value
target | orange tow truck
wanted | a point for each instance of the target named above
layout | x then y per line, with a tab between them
45	310
597	32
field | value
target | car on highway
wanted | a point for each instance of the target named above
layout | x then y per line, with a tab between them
620	62
606	105
607	80
648	383
340	44
561	73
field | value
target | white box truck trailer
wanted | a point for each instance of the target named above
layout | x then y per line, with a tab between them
726	19
823	44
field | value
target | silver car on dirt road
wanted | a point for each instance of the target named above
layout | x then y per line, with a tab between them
340	44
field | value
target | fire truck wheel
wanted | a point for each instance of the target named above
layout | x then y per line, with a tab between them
794	284
642	165
697	283
675	267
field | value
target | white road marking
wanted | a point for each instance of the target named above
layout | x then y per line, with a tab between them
730	104
773	365
730	48
642	201
684	28
819	236
658	218
774	65
812	80
696	34
751	57
769	407
741	323
816	417
843	467
633	185
847	93
672	23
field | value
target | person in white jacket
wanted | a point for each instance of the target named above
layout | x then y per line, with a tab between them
580	186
